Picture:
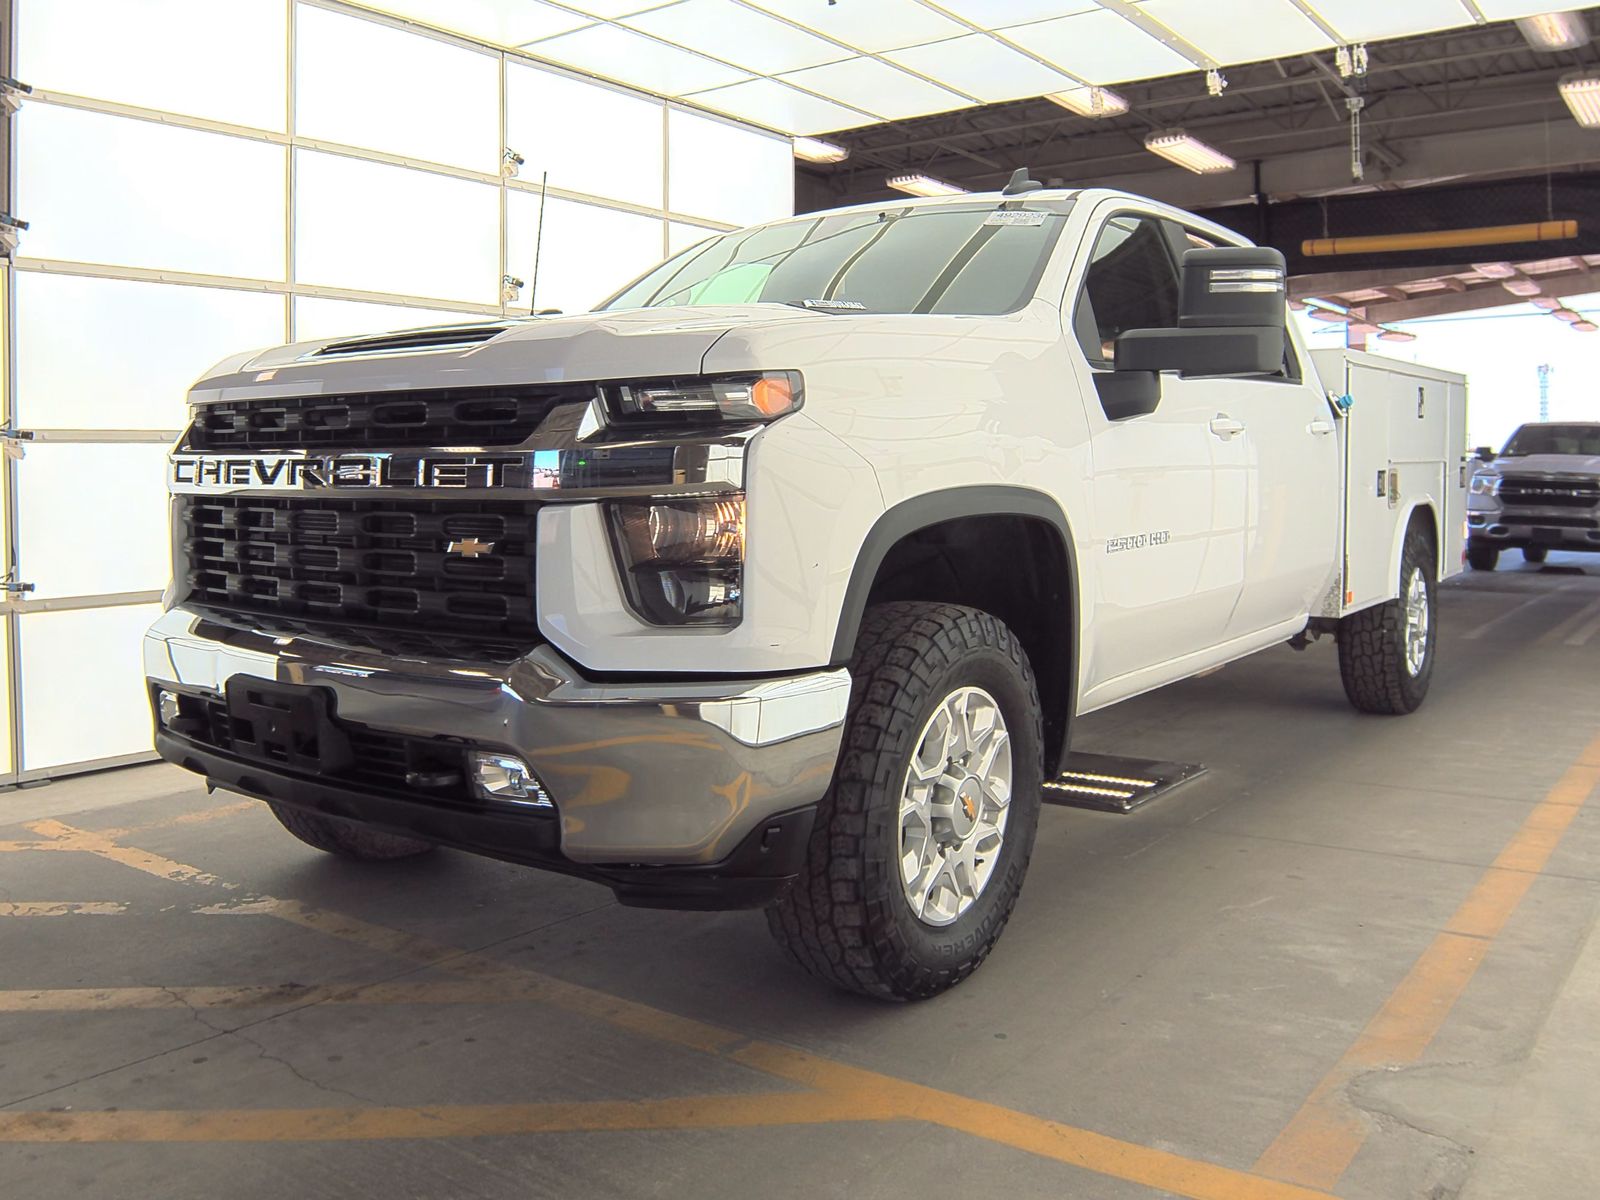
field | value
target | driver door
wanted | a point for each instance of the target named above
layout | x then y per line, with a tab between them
1168	496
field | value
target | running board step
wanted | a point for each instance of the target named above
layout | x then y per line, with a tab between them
1111	783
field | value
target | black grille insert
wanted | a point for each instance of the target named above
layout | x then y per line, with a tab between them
380	420
379	760
1534	492
383	563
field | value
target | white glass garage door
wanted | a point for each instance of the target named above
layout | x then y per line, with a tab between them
204	178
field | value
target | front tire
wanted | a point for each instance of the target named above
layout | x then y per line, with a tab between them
347	839
1386	652
1535	554
911	872
1481	557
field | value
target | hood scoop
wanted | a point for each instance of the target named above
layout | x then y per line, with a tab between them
437	337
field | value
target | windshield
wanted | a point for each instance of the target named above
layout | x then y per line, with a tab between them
1553	439
973	259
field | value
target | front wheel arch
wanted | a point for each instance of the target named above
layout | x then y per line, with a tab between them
924	526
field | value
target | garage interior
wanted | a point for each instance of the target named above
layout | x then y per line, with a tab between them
1354	958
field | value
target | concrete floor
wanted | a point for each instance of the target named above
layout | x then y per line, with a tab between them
1357	957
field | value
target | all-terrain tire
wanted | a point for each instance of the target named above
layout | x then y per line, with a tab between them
1535	554
346	838
1482	557
847	919
1372	643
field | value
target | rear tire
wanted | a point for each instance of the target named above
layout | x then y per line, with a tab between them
894	900
1535	554
1481	557
1386	652
347	839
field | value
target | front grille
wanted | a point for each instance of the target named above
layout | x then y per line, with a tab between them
381	563
1533	492
382	761
381	420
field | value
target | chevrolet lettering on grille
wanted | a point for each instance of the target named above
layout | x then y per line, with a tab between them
213	473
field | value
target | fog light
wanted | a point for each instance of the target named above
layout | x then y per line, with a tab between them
506	777
167	707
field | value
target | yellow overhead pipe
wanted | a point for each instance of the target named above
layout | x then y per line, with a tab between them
1443	239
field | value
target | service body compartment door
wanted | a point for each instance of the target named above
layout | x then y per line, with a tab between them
1402	441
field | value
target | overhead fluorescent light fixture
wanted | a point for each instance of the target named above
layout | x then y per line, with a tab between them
1585	326
1499	270
924	185
1548	303
1092	102
1581	91
1397	335
818	151
1190	153
1331	315
1520	287
1555	31
1567	315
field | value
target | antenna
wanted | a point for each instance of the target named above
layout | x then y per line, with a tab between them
1020	183
1545	371
538	242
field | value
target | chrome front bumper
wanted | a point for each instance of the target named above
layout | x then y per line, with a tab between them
1560	529
677	774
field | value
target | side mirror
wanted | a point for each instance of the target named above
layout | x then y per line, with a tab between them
1232	320
1484	453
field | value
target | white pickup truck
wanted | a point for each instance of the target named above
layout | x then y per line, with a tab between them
779	580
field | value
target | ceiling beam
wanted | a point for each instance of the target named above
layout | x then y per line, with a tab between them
1477	298
1338	283
1437	156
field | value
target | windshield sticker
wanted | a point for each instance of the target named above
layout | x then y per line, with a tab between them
1015	216
851	304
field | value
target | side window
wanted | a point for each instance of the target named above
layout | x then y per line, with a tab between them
1132	284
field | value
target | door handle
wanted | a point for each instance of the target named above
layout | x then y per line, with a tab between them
1225	426
1320	428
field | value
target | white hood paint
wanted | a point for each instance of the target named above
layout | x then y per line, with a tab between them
635	343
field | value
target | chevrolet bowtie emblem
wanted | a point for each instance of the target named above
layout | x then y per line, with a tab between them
470	548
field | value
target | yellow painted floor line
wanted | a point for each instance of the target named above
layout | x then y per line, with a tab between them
112	999
1324	1137
448	1121
1083	1148
62	908
66	837
198	817
847	1089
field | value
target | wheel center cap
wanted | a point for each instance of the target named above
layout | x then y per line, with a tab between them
969	803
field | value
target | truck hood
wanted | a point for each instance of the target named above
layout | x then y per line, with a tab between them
539	350
1547	464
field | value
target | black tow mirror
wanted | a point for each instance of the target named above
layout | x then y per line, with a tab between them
1232	320
1484	453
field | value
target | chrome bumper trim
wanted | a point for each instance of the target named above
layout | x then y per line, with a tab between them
656	773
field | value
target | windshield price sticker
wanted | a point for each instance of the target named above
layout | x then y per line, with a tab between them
852	305
1015	216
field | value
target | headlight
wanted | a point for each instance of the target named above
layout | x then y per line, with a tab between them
1485	484
682	561
762	396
